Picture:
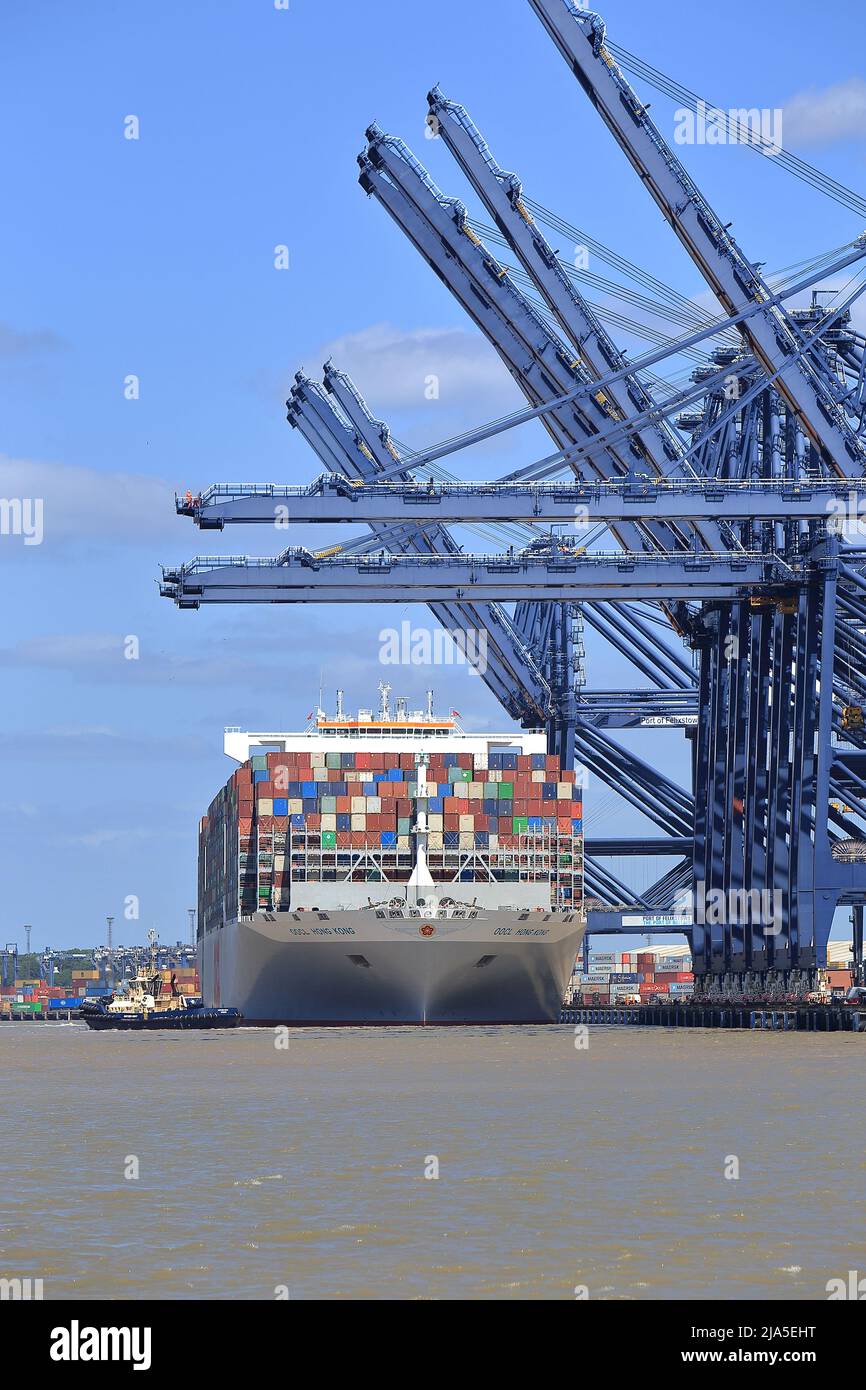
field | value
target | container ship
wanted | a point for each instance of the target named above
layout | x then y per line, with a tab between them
390	869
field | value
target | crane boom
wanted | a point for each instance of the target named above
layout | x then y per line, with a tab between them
579	35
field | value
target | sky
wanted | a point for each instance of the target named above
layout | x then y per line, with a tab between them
154	258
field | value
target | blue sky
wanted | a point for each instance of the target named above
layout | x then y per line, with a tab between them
155	257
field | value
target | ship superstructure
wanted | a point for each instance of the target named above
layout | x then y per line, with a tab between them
391	867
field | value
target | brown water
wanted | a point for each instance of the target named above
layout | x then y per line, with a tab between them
557	1167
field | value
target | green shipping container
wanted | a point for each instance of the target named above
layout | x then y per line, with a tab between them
506	791
519	824
329	839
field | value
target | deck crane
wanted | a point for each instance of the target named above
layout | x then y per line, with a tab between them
771	334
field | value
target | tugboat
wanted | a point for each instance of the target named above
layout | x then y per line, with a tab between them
146	1003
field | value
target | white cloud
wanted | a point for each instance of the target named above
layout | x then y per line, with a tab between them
820	116
83	502
391	368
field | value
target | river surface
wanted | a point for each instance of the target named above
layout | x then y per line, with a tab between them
266	1171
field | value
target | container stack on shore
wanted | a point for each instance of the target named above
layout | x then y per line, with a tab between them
37	998
616	976
321	816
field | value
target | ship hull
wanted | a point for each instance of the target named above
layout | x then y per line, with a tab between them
355	967
181	1020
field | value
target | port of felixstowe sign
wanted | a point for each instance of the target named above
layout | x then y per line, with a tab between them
669	920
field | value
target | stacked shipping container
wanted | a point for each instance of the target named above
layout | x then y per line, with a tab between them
649	974
322	816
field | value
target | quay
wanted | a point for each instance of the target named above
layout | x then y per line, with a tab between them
801	1018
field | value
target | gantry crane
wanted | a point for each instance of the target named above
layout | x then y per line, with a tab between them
717	494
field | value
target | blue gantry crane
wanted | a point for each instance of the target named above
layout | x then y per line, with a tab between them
729	586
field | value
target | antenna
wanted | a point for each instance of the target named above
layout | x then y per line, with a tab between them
384	692
339	704
430	704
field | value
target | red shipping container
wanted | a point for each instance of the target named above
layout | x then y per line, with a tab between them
362	760
482	822
521	808
392	760
524	762
406	761
563	823
266	824
359	838
551	762
464	760
313	820
452	822
577	810
566	774
264	789
344	805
